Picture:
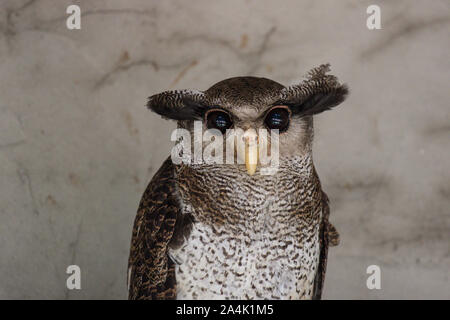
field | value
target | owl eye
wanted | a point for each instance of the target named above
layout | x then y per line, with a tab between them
218	120
278	118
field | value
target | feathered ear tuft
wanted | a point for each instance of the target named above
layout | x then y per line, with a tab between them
319	92
178	104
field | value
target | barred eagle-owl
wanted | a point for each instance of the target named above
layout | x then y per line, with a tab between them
226	231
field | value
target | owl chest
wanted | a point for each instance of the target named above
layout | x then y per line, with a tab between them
267	260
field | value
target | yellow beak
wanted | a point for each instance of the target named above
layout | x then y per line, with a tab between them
251	151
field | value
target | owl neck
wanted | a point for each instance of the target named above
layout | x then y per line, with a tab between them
228	195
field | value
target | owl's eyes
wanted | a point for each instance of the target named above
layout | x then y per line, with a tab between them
217	119
278	118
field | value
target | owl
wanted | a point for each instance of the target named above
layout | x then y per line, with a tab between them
230	230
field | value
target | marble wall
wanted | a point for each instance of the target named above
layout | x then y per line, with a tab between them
78	147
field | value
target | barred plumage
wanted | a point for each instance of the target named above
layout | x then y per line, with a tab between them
208	231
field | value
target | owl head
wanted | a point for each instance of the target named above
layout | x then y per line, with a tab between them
250	105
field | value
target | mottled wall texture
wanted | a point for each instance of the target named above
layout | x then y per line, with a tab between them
78	147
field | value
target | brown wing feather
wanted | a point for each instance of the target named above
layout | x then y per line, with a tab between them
152	273
328	236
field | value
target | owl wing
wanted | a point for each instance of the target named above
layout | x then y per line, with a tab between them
328	236
151	273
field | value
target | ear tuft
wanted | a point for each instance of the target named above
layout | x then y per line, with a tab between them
317	93
178	104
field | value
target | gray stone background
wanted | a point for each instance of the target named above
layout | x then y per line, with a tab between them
78	147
